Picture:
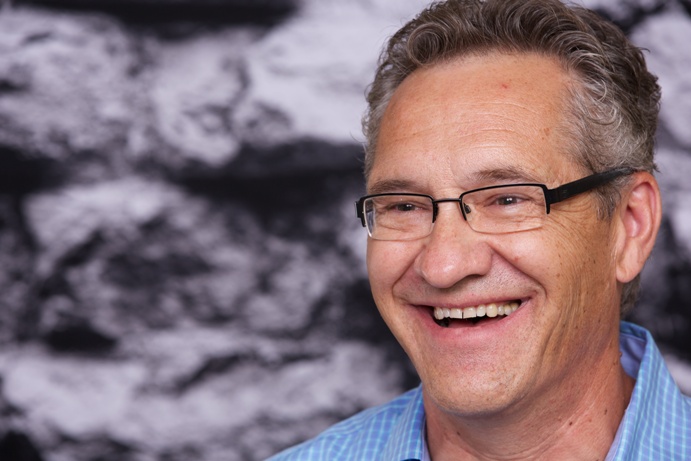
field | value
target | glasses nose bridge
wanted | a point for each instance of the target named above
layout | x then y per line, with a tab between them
435	205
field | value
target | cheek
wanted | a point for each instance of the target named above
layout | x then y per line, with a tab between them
553	256
387	262
585	255
573	266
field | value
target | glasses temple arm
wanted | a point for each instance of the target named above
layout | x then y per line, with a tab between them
359	205
579	186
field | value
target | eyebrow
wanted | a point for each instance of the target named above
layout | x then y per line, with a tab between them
504	174
392	185
479	178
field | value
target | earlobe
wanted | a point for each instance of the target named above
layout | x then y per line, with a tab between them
639	216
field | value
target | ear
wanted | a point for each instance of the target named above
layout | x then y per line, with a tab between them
638	220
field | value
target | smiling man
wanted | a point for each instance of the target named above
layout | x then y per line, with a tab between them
510	209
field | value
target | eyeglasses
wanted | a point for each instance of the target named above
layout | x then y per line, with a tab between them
493	210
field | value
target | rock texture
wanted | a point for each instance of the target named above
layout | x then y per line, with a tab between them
183	276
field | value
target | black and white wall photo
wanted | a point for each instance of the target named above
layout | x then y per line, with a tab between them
182	274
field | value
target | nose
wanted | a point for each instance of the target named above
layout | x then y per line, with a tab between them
453	251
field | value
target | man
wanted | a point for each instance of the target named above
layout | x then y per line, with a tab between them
510	209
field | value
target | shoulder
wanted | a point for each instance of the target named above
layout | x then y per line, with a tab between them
657	422
354	438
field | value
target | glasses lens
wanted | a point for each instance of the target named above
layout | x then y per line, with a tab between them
398	217
505	208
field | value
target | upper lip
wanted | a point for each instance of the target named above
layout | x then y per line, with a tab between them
462	305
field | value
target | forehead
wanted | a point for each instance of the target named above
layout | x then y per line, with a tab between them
475	118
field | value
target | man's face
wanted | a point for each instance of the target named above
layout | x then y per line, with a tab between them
477	122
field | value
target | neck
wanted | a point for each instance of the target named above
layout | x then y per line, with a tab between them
553	427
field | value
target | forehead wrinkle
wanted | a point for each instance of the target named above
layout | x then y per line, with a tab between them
528	106
423	103
473	112
477	116
463	131
533	103
463	127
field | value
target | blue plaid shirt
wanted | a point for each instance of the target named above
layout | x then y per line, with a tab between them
656	425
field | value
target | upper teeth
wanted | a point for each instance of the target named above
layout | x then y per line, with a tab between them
489	310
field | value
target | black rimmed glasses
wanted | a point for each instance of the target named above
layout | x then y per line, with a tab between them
493	209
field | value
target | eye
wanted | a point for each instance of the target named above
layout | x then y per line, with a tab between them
507	200
397	205
404	207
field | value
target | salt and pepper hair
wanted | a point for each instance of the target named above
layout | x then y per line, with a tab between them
613	100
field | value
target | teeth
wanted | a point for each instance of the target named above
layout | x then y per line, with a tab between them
489	310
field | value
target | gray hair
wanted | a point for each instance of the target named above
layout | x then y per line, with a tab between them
614	101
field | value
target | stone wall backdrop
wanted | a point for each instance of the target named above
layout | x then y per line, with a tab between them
182	276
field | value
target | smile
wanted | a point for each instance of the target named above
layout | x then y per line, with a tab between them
442	314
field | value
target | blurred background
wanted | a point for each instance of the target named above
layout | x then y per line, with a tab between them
182	274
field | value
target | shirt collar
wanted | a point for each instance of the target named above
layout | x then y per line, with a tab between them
407	441
655	392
